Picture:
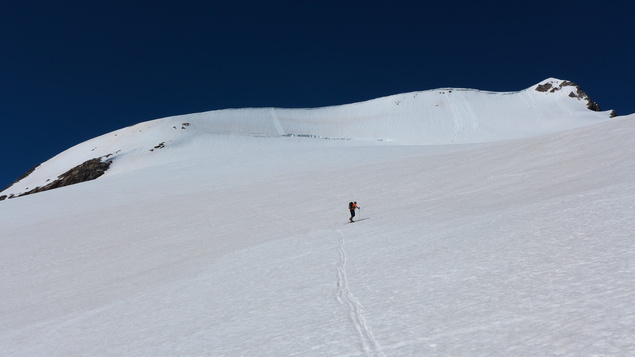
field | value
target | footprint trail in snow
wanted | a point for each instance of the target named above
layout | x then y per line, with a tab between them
346	298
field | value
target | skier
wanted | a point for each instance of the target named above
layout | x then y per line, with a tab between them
352	206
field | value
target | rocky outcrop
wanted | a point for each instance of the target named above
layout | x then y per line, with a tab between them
88	170
544	87
576	92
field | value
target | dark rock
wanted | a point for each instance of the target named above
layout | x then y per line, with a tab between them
580	94
575	93
89	170
160	146
593	105
543	87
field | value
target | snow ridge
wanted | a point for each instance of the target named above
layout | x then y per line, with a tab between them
356	309
433	117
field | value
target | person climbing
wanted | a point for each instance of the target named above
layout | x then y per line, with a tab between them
352	206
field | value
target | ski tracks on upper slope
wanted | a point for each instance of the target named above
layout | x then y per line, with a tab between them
355	308
462	114
276	122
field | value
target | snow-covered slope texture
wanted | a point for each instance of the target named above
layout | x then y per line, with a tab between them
514	248
440	116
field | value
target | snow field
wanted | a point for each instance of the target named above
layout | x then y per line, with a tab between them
223	245
435	117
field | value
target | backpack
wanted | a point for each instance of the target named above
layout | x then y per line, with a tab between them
350	205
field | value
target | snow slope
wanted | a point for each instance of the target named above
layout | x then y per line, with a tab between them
230	245
441	116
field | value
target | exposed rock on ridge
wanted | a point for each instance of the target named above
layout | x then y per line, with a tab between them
88	170
576	92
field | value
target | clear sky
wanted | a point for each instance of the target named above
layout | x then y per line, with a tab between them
73	70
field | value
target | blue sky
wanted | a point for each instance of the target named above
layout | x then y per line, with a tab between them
73	70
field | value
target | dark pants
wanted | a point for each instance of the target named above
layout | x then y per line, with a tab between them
352	214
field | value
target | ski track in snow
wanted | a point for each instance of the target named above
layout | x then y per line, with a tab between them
356	309
276	122
462	115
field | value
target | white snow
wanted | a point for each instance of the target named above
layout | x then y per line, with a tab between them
231	240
